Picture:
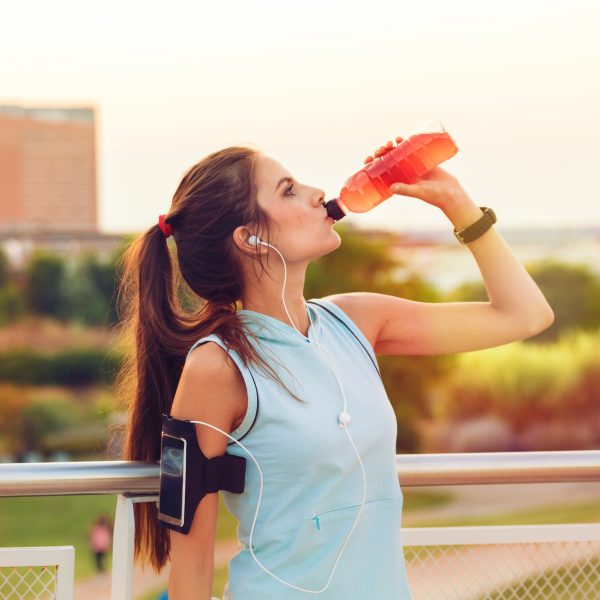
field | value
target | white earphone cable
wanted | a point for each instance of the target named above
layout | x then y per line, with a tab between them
344	419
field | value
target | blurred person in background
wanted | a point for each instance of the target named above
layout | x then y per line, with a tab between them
100	539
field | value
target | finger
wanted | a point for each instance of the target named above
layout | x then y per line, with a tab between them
399	138
404	189
368	159
389	144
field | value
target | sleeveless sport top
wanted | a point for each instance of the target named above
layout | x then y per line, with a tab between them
312	480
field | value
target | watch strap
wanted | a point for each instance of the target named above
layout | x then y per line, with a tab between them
475	230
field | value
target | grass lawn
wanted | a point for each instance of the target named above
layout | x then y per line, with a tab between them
64	520
415	499
55	521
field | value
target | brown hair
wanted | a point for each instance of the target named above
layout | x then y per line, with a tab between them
215	196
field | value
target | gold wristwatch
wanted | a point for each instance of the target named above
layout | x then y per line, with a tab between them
472	232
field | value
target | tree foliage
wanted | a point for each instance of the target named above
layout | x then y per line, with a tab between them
45	291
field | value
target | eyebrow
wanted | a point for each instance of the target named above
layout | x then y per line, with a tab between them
282	180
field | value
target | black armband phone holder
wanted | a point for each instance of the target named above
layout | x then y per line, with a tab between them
202	475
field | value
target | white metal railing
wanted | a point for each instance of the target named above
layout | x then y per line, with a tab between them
531	561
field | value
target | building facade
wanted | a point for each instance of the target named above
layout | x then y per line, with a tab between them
47	170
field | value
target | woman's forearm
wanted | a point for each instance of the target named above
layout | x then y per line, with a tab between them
191	580
509	286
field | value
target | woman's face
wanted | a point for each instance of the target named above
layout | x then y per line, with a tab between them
300	230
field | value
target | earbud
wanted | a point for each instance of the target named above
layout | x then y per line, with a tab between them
255	241
344	418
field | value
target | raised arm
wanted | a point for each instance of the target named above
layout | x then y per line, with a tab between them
516	309
210	389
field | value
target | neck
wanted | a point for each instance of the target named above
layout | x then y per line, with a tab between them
265	297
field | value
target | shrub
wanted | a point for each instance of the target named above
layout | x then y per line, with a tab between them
522	382
13	400
12	304
69	368
45	283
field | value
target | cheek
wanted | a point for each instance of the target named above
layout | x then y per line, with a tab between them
293	218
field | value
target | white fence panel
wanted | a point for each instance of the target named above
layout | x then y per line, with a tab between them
549	562
37	572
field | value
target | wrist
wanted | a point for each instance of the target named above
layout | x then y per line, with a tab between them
462	212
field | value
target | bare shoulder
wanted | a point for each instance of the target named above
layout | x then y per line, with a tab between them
211	389
356	305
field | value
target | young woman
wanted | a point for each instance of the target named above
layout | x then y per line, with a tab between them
295	381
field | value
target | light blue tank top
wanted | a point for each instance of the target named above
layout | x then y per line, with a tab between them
312	481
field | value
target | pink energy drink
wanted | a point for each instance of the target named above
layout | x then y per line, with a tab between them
405	163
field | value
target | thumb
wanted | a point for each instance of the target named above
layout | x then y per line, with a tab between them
405	189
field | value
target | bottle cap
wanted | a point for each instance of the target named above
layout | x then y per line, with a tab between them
334	210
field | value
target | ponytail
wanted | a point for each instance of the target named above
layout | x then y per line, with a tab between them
163	310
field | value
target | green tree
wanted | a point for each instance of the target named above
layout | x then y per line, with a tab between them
12	305
4	268
89	291
573	291
45	293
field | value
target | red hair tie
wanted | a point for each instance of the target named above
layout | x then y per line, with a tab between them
166	228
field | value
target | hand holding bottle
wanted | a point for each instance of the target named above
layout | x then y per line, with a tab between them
410	168
437	187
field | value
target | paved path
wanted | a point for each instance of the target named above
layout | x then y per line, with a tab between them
469	500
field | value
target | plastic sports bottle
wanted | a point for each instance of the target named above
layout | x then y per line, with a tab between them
415	156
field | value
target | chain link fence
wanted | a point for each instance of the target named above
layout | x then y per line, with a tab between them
545	562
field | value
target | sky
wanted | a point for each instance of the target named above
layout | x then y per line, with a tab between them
319	85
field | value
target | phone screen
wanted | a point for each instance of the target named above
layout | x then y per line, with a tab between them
171	503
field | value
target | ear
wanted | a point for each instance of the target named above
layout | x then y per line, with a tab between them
240	239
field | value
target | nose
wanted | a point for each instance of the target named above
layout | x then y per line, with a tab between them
320	197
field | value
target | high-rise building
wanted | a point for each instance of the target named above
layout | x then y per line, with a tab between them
47	170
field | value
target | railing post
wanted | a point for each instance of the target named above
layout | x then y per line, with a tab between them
122	559
123	546
65	580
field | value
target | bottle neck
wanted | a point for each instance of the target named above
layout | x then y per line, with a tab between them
336	209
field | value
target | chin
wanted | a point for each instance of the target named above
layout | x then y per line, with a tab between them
334	241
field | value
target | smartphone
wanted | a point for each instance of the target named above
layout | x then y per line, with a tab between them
171	500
